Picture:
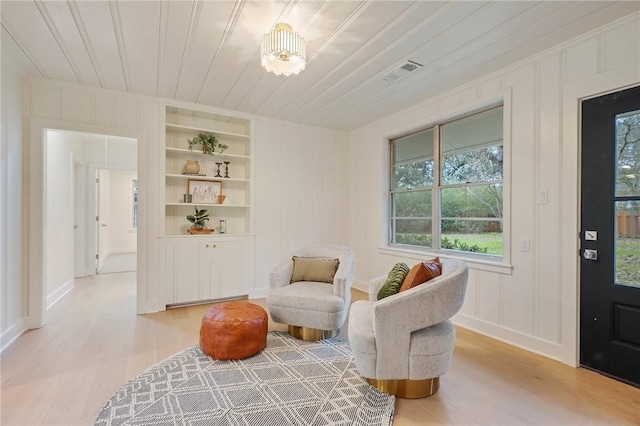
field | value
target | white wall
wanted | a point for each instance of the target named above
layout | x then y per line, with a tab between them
13	294
72	108
532	302
121	237
301	176
307	183
58	214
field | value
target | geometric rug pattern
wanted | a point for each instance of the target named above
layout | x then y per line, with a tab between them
290	382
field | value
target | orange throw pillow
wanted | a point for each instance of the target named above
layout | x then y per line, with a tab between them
421	273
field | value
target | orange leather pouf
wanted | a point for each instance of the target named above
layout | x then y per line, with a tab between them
233	330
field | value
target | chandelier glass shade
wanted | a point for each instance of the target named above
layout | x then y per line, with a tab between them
283	51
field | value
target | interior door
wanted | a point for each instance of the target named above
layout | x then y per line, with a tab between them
610	234
102	219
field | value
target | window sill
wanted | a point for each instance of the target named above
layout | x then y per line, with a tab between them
472	262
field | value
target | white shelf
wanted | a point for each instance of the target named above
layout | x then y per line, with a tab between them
200	153
180	127
209	178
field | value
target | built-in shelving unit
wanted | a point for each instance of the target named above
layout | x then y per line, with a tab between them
182	124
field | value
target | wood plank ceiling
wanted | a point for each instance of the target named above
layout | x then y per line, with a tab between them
207	52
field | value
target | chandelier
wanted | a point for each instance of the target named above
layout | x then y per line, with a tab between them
283	51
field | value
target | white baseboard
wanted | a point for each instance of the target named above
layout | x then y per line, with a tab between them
54	297
121	250
258	293
361	285
524	341
512	337
12	333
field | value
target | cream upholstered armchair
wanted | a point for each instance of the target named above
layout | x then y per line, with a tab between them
403	343
311	294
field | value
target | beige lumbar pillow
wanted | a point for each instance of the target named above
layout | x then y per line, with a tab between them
317	269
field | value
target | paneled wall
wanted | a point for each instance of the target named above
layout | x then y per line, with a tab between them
73	108
301	197
300	174
13	296
532	300
319	186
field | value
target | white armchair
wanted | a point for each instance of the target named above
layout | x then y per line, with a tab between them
403	343
312	310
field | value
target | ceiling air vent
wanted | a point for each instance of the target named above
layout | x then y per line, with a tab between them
402	71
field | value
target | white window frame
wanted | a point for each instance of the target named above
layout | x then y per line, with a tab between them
477	261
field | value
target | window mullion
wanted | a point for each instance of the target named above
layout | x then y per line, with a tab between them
437	184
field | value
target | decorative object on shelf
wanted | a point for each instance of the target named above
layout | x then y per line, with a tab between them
204	191
283	52
194	231
218	171
221	198
208	142
192	167
199	221
226	169
187	198
223	226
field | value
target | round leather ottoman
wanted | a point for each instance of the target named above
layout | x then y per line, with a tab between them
233	330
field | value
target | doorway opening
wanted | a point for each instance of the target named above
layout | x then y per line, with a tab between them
116	220
72	223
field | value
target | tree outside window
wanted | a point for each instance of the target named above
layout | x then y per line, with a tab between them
454	203
627	195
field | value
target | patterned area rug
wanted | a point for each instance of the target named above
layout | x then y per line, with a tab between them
291	382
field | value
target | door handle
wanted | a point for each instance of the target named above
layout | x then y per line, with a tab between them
590	254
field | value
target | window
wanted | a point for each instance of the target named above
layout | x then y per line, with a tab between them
446	185
134	186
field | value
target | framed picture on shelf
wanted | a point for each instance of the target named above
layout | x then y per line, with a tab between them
204	191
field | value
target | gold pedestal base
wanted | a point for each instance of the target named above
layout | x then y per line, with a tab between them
408	388
311	334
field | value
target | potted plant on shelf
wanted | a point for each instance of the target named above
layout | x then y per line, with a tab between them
208	142
199	221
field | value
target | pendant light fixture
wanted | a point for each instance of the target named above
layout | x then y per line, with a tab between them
283	51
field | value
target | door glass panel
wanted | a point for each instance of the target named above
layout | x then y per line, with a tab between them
628	243
628	154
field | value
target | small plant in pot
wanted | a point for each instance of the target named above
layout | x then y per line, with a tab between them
199	221
208	143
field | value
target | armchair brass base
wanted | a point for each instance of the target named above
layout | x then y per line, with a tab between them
311	334
407	388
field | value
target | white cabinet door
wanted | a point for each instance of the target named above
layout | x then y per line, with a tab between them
230	261
186	276
205	269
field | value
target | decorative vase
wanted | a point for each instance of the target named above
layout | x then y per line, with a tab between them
192	167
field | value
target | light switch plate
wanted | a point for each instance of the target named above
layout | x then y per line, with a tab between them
591	235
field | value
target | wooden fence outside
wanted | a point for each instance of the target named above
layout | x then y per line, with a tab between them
628	224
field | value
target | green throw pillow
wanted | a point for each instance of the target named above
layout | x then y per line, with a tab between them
394	280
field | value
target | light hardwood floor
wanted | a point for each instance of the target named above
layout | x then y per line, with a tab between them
63	373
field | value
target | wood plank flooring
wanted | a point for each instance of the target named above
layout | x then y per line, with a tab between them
63	373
